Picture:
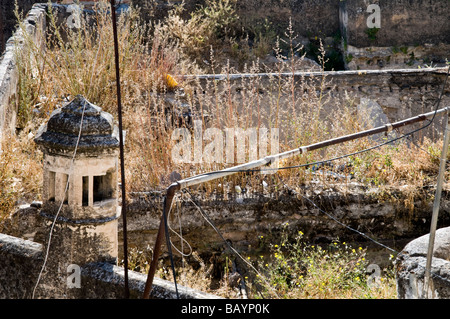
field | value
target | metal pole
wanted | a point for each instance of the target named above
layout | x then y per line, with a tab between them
436	205
122	165
159	239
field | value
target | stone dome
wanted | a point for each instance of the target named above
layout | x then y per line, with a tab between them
60	133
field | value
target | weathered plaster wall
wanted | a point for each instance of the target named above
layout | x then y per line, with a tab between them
403	22
411	33
19	266
310	18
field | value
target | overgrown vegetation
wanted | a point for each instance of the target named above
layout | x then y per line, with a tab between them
289	269
81	61
298	270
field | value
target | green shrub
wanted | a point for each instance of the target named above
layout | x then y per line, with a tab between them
372	33
296	269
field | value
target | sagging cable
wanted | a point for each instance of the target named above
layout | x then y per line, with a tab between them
179	235
231	248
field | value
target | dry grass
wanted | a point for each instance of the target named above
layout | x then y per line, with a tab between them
82	62
20	181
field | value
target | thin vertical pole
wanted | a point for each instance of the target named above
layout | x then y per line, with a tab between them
122	165
436	205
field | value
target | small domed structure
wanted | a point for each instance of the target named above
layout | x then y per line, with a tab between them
80	145
60	134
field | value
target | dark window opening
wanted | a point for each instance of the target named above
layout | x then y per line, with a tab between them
85	199
66	187
103	189
51	186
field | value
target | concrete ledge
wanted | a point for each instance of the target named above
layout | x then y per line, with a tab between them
389	72
21	261
19	247
107	281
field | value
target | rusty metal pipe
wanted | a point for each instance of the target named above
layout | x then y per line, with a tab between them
380	129
159	238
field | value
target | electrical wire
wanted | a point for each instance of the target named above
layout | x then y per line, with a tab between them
179	235
338	221
209	221
231	248
168	242
169	247
435	275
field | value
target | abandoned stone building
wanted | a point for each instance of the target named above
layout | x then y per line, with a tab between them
381	61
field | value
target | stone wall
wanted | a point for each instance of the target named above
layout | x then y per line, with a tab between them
410	33
21	261
400	93
310	18
35	26
411	266
403	23
19	266
8	20
243	218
